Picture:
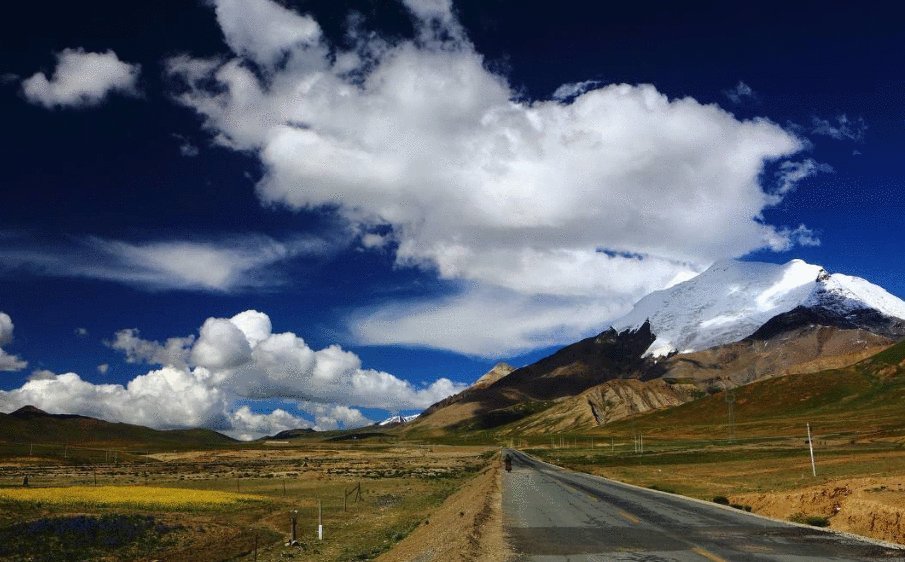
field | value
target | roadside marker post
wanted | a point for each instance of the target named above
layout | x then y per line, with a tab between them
293	519
811	447
320	522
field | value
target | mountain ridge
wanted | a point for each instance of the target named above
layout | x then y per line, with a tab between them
752	320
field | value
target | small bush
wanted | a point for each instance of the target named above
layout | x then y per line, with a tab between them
812	520
722	500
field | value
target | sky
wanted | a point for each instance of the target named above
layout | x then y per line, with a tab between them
253	215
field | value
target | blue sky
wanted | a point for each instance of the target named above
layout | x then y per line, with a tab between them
431	187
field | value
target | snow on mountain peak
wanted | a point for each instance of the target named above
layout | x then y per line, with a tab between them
732	299
398	419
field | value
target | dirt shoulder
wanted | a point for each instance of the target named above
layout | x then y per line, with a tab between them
467	526
871	507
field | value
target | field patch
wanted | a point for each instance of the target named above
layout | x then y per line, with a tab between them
149	497
83	537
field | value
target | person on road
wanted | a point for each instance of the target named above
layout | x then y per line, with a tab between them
508	460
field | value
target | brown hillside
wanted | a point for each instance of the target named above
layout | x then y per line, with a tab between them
603	379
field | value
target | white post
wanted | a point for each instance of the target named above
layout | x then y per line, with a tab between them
811	446
320	522
641	441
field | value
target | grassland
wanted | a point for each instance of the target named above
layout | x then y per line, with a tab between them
217	504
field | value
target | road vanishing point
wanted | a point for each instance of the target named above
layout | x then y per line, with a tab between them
553	514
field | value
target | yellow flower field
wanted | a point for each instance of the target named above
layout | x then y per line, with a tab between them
130	496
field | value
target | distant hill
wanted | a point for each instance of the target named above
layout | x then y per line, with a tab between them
31	425
291	434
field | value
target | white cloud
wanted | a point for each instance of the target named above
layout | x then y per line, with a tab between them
222	345
103	368
242	354
264	31
480	185
247	425
163	398
571	90
791	173
842	128
335	416
229	264
239	354
173	352
81	79
81	332
42	375
8	362
232	360
738	93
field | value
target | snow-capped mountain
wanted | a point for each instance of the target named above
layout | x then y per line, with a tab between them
732	299
398	419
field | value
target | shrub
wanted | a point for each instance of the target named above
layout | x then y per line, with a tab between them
813	520
722	500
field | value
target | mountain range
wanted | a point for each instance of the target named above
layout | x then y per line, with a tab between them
735	323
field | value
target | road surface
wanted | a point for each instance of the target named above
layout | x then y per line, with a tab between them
552	514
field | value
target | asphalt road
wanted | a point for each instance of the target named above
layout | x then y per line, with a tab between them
554	514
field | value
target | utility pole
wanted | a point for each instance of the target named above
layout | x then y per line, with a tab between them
811	447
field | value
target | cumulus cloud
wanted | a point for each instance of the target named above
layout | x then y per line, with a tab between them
202	381
246	424
81	79
335	416
163	398
42	375
840	128
8	362
738	93
173	352
225	265
477	183
103	368
264	31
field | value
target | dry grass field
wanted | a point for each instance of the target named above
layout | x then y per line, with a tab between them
218	504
